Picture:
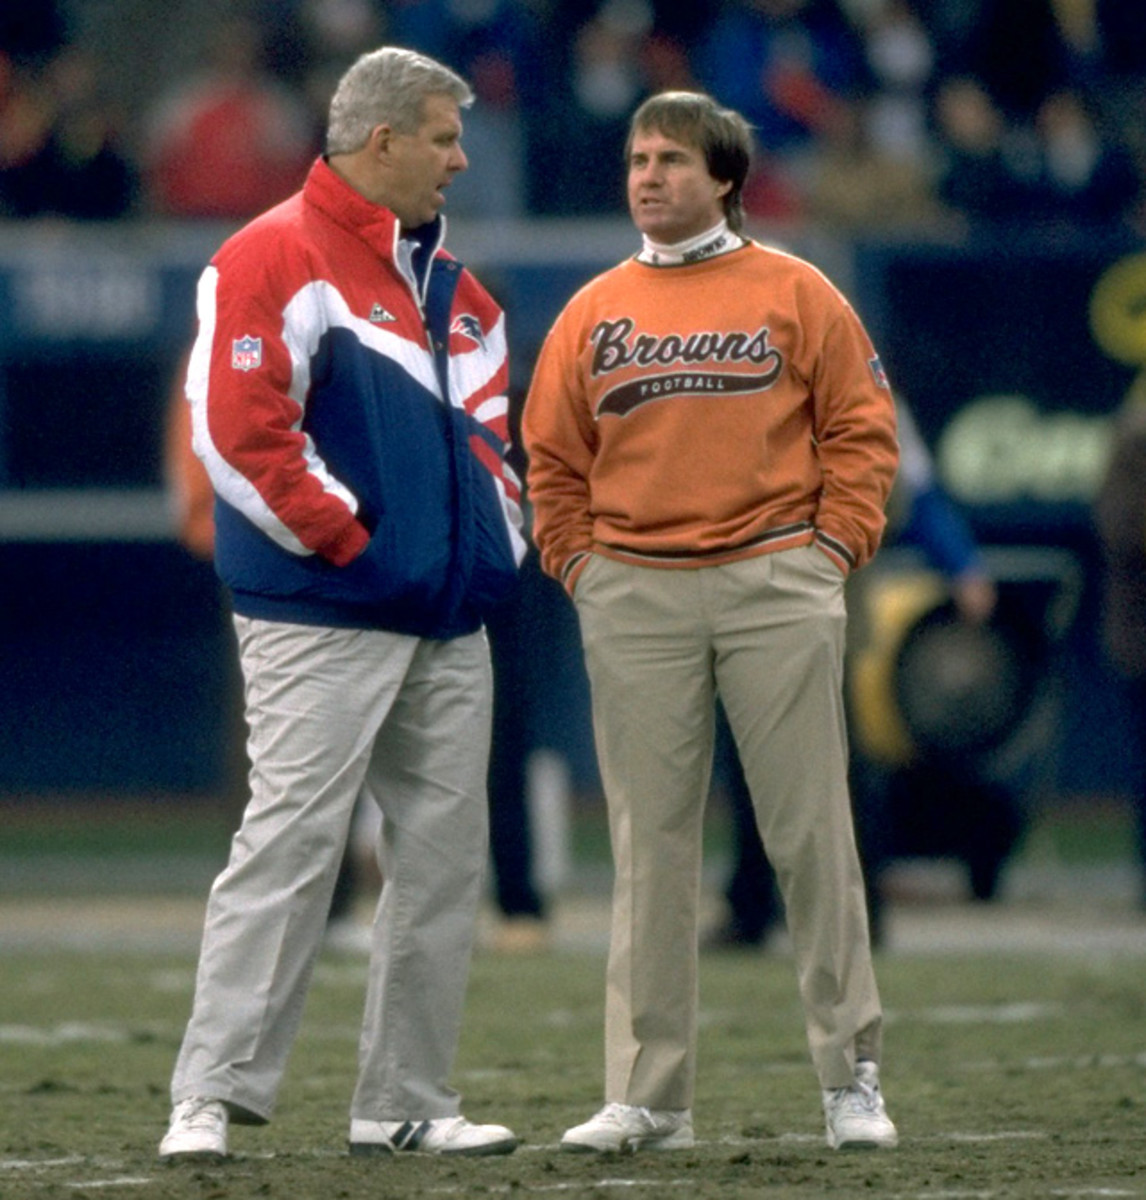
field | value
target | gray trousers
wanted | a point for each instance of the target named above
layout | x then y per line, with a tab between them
332	712
768	635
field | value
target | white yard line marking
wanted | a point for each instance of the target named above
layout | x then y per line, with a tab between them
1102	1191
578	1185
1077	1062
32	1164
1003	1135
979	1014
70	1031
120	1181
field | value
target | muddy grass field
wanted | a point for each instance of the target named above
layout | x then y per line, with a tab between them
1008	1076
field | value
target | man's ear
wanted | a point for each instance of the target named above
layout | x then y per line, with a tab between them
381	137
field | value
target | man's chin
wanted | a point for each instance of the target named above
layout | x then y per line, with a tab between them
648	223
661	232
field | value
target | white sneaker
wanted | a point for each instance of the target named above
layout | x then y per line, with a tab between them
446	1135
618	1128
198	1130
855	1115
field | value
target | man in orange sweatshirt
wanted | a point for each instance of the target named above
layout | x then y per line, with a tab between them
712	441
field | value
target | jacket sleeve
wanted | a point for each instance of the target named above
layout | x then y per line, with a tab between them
855	431
248	386
560	443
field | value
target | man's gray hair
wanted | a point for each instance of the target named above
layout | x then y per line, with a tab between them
387	87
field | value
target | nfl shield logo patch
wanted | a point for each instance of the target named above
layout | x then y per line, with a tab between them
247	353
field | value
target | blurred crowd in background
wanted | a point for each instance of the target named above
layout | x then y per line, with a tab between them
870	115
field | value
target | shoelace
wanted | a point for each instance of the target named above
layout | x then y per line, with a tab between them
452	1127
614	1112
620	1114
617	1113
860	1096
199	1115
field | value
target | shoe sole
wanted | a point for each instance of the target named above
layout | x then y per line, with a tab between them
381	1150
631	1145
864	1144
193	1156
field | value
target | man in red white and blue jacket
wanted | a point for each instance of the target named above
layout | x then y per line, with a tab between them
348	387
348	395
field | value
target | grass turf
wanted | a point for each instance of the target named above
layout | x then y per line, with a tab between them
1020	1077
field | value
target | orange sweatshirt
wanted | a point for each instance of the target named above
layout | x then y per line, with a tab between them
690	415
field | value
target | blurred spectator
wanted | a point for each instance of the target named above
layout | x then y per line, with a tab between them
982	177
607	77
1058	167
328	36
597	78
1021	52
1083	177
494	186
665	63
857	184
772	192
232	141
901	61
950	28
497	46
468	32
1017	109
876	166
787	65
58	151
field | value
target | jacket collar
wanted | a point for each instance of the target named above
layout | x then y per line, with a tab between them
375	224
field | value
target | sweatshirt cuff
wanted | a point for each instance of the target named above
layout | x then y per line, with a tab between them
573	568
836	551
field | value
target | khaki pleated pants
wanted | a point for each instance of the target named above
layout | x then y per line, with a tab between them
332	712
767	634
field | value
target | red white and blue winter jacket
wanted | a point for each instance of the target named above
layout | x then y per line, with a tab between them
352	416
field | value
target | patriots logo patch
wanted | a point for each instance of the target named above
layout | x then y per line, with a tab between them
469	327
878	373
380	316
247	353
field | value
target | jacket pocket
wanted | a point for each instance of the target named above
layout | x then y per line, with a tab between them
393	570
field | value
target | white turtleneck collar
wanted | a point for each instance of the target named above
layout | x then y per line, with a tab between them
717	240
